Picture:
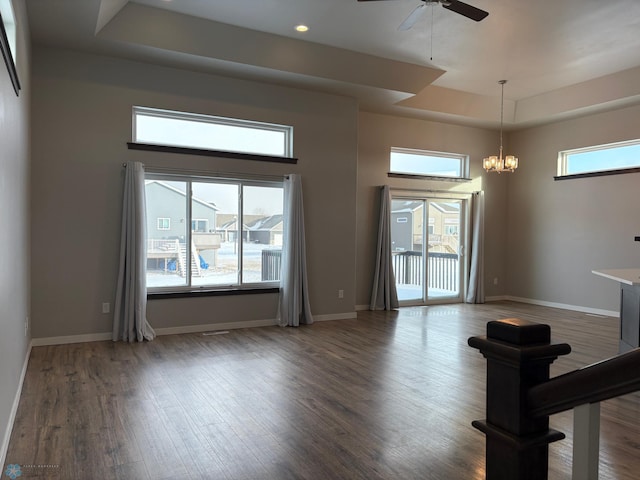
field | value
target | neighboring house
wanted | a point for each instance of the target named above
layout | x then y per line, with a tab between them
165	215
256	230
229	228
266	230
407	226
444	227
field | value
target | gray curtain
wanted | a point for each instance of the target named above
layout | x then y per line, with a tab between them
383	294
475	290
293	308
130	310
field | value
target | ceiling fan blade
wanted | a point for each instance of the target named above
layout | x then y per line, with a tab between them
412	18
465	9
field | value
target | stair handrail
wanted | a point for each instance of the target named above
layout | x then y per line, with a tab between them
610	378
521	396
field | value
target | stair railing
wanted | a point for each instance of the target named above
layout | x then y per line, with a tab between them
520	398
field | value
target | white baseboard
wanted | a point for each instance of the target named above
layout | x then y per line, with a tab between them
89	337
335	316
14	410
496	298
564	306
209	327
213	327
100	337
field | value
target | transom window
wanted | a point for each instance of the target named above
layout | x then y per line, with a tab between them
213	233
192	130
428	163
599	158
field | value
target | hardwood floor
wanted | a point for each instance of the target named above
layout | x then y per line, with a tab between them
390	395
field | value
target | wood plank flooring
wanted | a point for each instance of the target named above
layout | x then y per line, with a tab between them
389	395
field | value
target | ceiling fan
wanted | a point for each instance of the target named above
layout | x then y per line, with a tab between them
456	6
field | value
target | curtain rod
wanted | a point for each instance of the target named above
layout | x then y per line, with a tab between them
208	173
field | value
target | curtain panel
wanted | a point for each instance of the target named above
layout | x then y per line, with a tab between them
475	290
384	295
130	311
293	307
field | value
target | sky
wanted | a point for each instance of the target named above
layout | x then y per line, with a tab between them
421	164
627	156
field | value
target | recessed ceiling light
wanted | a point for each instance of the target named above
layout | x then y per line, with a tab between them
301	28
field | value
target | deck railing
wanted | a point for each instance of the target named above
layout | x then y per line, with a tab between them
271	261
443	271
442	268
162	245
520	398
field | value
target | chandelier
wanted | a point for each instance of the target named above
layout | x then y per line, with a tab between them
499	163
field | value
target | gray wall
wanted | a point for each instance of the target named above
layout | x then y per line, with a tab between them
82	121
559	231
14	216
376	135
542	237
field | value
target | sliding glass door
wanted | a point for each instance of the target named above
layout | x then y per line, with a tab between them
428	237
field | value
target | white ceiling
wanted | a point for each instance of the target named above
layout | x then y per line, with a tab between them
561	59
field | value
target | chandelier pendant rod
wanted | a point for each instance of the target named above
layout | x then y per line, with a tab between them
500	163
501	82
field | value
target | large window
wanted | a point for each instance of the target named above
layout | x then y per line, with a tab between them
429	164
212	232
216	232
599	158
180	129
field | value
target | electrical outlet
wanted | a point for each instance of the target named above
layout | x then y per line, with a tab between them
340	293
495	281
106	308
26	327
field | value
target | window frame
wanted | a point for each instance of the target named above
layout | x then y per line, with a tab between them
189	288
463	160
564	157
9	41
286	130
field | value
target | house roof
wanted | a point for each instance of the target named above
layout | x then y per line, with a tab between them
402	206
447	207
231	225
180	192
266	223
405	206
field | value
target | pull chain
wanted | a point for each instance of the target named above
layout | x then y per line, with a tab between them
431	55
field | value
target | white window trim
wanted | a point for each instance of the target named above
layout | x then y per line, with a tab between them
287	130
462	158
160	222
563	157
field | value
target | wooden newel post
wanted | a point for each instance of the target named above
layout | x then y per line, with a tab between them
518	355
